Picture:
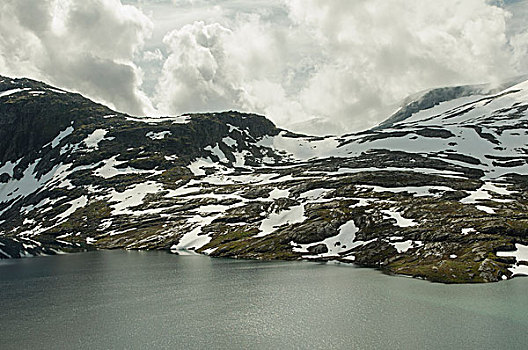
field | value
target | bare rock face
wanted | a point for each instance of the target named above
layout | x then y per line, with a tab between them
489	271
318	249
434	193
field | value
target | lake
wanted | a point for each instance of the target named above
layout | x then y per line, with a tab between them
133	300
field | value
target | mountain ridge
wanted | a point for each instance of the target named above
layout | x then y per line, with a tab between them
432	97
440	194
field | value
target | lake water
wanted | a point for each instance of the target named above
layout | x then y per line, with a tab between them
133	300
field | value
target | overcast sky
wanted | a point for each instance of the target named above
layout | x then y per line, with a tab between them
314	66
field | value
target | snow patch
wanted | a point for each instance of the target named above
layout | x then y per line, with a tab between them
92	141
419	191
57	91
132	196
400	220
315	194
521	254
485	209
483	193
183	119
63	134
403	247
193	240
337	245
229	141
109	169
217	152
197	165
276	193
302	148
74	205
343	241
13	91
466	231
289	216
26	185
8	167
240	158
157	135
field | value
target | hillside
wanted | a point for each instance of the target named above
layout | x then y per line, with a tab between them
438	192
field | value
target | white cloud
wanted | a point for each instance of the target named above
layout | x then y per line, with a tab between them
313	65
197	75
87	46
154	55
344	64
377	52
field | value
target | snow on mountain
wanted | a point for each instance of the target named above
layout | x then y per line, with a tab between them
446	177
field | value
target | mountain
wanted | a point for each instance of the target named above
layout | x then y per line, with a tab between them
433	97
437	192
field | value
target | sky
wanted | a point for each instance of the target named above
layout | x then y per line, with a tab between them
311	66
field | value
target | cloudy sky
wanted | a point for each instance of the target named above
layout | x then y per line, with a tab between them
315	66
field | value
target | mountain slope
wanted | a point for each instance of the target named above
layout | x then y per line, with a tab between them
431	98
440	194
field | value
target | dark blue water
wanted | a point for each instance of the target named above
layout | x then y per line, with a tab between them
144	300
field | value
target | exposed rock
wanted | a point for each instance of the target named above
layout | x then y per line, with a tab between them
489	271
318	249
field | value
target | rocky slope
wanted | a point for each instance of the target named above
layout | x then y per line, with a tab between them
438	192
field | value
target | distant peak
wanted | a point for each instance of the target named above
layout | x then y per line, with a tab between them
429	98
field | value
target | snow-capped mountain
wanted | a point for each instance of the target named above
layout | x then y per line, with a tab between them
438	191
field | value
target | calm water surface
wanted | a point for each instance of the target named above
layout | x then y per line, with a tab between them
142	300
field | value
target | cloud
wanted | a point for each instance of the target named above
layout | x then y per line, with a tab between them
343	64
313	65
196	76
87	46
377	52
